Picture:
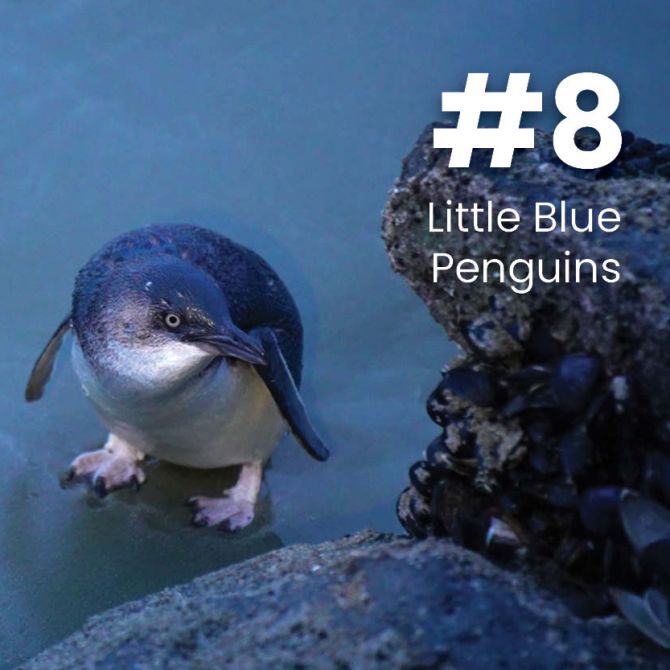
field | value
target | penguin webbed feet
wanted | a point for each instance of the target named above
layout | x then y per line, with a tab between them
113	467
228	513
235	510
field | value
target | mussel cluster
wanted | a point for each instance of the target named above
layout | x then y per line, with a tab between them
555	461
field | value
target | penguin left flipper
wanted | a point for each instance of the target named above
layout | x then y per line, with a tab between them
44	365
279	381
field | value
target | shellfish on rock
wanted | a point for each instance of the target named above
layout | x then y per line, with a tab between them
554	426
543	463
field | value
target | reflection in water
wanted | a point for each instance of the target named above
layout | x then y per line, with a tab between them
85	562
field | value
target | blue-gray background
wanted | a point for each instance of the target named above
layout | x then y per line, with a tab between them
282	124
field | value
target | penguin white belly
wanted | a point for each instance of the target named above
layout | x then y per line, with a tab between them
222	415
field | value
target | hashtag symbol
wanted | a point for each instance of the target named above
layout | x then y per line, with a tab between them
474	100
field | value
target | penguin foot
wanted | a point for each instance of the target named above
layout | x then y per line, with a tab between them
228	513
113	467
235	510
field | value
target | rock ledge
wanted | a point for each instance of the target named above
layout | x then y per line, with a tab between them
366	601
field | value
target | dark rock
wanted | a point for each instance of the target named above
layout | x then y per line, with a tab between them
369	601
625	323
578	437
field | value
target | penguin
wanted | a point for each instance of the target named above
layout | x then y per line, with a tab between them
189	346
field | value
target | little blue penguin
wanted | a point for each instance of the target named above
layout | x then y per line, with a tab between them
190	348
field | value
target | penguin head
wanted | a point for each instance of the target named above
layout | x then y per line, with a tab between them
169	318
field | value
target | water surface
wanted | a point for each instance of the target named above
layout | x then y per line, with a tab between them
283	125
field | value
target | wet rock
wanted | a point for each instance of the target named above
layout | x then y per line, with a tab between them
368	601
568	457
625	323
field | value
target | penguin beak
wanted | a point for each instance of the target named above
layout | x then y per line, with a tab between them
231	342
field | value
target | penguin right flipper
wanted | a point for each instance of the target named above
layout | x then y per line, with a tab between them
44	365
279	381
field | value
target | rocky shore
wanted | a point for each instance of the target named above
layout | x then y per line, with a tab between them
552	451
554	426
366	601
625	323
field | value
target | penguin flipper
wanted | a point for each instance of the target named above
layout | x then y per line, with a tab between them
280	383
44	365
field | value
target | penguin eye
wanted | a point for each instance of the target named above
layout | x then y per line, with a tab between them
172	320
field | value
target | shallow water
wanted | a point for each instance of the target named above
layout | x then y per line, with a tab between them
283	125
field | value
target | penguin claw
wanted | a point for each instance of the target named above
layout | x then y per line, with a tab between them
199	521
229	527
67	479
199	518
100	487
